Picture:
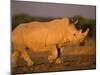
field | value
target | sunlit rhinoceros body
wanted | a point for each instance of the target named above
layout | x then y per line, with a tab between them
44	36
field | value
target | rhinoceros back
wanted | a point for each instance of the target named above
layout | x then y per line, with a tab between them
39	35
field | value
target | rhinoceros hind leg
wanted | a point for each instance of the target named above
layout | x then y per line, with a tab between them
14	58
26	57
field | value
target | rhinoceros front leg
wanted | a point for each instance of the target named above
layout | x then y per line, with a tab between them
58	60
54	55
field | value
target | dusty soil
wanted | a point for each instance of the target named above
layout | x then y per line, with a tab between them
74	57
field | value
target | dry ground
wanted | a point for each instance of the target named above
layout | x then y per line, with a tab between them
74	57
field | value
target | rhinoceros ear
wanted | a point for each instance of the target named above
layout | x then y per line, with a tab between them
76	21
71	21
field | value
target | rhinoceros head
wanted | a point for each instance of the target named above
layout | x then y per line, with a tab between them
75	36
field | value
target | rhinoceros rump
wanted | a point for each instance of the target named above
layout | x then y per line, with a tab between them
44	36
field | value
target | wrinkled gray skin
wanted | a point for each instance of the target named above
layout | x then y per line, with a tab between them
45	36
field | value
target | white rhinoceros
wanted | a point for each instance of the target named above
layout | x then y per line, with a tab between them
49	36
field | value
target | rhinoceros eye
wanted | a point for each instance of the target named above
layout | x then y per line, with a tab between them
74	34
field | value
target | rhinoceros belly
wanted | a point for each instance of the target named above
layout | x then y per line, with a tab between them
42	40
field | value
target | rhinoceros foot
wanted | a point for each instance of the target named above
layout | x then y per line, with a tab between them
58	61
30	63
51	59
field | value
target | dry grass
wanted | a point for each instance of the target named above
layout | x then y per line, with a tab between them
88	49
74	57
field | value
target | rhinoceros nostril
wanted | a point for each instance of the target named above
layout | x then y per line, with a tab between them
82	43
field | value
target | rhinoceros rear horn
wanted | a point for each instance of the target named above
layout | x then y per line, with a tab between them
86	32
80	30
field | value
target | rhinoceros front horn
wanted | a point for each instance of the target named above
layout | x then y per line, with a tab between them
86	32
